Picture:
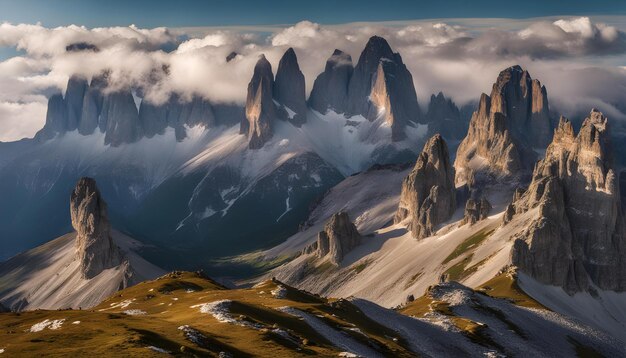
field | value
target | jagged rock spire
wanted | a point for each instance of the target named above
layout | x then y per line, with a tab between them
260	108
505	128
289	88
330	89
578	237
338	238
428	195
444	117
381	85
95	249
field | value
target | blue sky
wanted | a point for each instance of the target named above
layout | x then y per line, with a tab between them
153	13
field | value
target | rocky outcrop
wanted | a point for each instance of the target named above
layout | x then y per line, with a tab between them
289	88
330	89
476	210
382	86
261	110
95	249
505	127
339	237
578	238
444	117
428	195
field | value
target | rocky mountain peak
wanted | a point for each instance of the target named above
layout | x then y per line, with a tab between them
507	125
289	88
444	117
428	196
578	238
260	107
338	238
382	87
95	249
375	49
330	89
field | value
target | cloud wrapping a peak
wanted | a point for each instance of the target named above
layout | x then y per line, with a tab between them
450	57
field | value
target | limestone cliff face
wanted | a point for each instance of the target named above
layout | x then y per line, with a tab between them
578	239
261	110
428	195
289	88
505	128
95	249
339	237
330	89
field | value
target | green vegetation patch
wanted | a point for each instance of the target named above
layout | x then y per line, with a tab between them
469	243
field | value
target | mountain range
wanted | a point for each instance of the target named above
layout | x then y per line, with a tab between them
352	222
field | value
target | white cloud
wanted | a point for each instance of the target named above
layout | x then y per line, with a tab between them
462	61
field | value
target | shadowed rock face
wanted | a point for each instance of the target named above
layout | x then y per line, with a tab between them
76	88
505	127
56	118
92	105
339	237
120	118
94	247
330	89
444	117
381	85
289	88
578	238
260	108
428	195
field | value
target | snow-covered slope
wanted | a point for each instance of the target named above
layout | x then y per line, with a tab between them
49	276
390	265
163	189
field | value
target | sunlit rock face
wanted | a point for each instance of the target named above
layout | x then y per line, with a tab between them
260	107
506	127
338	238
95	249
428	195
577	240
381	85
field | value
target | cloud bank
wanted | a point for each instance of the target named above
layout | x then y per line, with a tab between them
576	58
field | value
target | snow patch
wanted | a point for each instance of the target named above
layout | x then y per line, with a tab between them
53	325
134	312
157	349
338	338
279	292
